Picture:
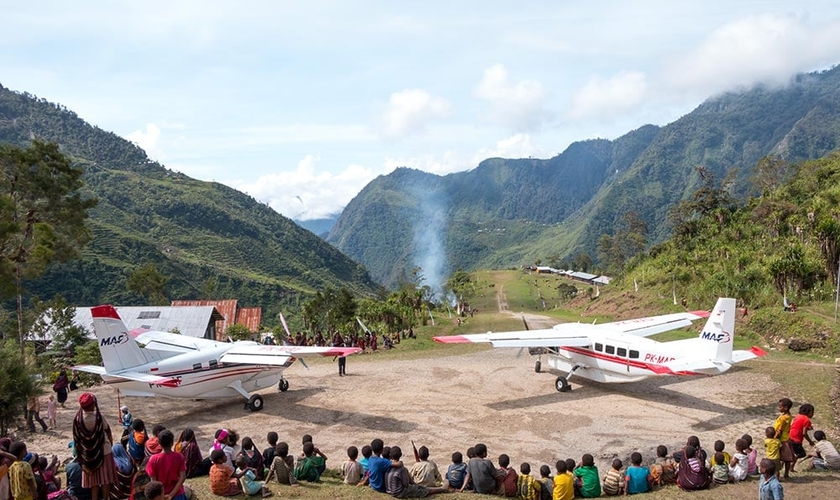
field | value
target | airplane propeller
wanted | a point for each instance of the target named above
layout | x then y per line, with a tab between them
524	322
289	336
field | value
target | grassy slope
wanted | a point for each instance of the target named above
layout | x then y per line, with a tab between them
808	377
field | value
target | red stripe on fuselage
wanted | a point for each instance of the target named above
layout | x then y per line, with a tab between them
657	369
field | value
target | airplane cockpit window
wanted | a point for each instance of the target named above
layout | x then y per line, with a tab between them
599	347
610	349
622	352
634	354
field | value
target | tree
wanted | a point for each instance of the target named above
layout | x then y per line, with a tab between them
16	386
150	283
239	332
42	211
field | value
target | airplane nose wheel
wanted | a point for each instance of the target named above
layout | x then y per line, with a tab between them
562	385
255	402
537	366
283	385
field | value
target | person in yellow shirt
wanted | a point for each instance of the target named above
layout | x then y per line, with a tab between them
772	447
782	427
21	478
564	485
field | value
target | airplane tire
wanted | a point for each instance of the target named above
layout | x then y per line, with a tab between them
562	385
283	385
537	366
255	403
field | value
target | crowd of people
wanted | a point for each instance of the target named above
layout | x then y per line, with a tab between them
364	341
155	465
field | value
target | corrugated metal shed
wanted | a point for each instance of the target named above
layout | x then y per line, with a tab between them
226	307
602	280
251	317
197	321
583	276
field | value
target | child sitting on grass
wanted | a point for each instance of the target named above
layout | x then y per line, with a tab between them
637	479
223	480
614	479
248	478
720	469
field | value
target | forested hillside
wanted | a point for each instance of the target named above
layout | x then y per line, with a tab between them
510	212
210	240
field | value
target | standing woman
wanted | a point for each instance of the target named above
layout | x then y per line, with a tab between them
60	387
92	436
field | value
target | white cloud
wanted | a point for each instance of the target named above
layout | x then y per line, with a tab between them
410	110
149	140
767	48
515	146
306	193
606	98
517	105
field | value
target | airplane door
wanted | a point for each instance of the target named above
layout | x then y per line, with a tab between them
622	351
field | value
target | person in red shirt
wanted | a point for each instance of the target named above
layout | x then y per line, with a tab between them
168	467
799	431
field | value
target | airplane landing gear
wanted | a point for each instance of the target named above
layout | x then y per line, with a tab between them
562	385
537	366
283	385
255	402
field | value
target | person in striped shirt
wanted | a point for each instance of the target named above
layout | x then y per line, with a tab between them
824	455
527	487
614	479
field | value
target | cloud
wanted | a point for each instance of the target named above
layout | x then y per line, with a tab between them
768	48
517	105
409	111
606	98
149	140
515	146
306	193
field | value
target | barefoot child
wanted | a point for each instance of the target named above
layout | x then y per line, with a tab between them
248	479
52	412
223	481
772	447
782	427
799	431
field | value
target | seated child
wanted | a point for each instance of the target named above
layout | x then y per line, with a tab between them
268	453
545	477
351	471
153	490
590	480
248	478
51	481
664	468
614	480
366	454
564	484
310	467
526	485
720	469
506	482
457	474
283	466
752	454
824	456
223	481
739	464
637	478
719	446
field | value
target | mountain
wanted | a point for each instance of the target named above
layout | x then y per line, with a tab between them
508	212
321	227
211	240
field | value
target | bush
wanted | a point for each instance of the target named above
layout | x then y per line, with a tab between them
16	385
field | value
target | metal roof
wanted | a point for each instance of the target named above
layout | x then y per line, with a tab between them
602	280
251	317
583	276
190	321
226	307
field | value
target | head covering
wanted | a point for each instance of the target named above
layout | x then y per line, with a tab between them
153	446
121	459
123	408
218	443
87	401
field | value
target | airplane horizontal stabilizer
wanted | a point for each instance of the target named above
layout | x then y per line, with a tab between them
754	352
98	370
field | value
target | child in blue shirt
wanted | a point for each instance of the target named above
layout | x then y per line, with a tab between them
637	478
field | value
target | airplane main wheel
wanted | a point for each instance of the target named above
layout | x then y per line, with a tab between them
562	385
537	366
255	403
283	385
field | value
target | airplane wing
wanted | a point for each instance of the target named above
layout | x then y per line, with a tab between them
645	327
258	354
172	342
525	338
136	376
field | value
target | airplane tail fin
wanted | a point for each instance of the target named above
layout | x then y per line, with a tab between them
719	332
119	350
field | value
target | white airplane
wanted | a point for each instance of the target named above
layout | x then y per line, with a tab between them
620	352
178	366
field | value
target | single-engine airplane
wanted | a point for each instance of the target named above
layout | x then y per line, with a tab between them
621	352
177	366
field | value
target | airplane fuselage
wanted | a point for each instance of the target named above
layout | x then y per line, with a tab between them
200	375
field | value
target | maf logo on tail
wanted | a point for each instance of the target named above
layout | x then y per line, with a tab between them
720	338
115	340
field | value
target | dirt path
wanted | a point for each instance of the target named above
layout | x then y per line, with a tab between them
450	403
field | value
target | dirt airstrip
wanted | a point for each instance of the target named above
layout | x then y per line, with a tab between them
449	403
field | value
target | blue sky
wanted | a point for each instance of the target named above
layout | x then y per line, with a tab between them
301	104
